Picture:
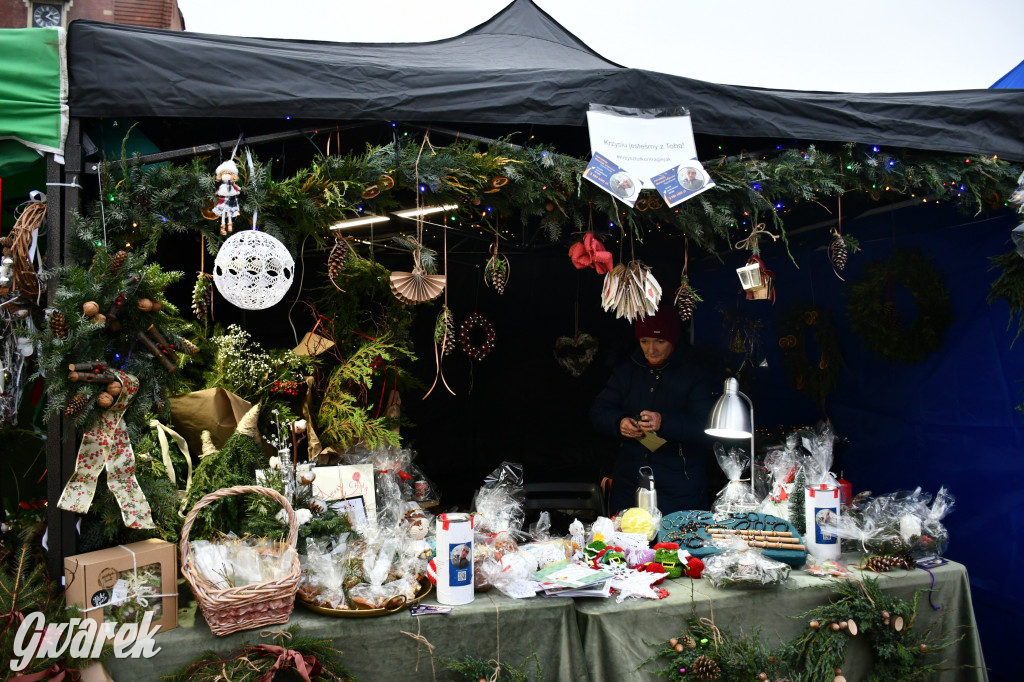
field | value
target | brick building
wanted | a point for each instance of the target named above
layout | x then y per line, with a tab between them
29	13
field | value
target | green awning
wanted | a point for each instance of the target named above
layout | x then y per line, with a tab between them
34	88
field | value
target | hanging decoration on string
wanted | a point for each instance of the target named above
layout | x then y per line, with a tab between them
227	196
590	253
336	260
841	245
497	270
253	270
477	337
444	326
757	280
17	274
631	289
875	315
816	377
575	353
687	298
421	284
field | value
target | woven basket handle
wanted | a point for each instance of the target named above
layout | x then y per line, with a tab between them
293	524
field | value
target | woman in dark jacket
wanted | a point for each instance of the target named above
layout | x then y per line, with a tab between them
657	402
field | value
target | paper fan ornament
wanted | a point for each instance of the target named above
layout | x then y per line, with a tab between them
253	270
417	286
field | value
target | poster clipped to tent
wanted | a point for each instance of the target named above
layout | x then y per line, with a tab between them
638	148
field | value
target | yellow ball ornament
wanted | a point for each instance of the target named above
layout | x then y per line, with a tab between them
639	521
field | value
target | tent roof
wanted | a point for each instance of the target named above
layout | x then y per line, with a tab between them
1013	79
519	67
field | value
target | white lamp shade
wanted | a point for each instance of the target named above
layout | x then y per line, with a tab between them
730	417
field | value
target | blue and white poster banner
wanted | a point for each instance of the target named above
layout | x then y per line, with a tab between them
645	142
612	179
683	182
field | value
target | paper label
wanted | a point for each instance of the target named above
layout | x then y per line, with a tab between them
119	593
460	560
824	516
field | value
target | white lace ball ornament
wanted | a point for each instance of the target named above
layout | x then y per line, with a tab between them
253	270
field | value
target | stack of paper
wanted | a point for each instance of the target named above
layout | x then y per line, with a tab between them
573	579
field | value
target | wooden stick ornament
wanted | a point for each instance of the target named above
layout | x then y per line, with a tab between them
151	347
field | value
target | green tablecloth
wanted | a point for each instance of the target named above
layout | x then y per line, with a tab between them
580	639
614	634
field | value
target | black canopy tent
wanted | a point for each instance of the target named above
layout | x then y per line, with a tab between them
519	67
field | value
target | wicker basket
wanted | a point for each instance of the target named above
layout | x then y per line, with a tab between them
248	606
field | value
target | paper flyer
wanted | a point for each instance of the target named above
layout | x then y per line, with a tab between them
683	182
614	180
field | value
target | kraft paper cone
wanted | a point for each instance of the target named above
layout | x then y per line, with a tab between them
213	409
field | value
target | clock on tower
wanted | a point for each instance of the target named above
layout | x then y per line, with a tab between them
46	16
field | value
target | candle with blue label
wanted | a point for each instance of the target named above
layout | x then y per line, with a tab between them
454	559
822	510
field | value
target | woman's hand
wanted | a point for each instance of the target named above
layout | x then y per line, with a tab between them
628	428
649	421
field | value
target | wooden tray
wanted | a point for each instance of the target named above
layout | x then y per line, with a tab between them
396	604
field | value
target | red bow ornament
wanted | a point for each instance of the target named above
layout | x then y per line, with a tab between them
591	253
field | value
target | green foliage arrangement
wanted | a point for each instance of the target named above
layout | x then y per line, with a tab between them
874	317
818	377
256	661
899	653
473	669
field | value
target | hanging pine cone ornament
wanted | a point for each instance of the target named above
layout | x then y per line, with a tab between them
686	300
336	259
202	297
444	331
116	261
837	252
59	325
705	668
496	272
76	405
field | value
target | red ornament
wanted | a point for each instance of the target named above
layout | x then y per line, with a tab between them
591	253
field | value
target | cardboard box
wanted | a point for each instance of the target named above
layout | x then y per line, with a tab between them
104	583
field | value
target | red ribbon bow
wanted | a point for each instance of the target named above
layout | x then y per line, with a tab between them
304	666
590	253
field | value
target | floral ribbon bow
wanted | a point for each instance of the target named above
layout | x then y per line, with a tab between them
304	666
591	253
106	446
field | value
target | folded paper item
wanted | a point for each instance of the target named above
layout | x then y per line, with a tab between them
212	409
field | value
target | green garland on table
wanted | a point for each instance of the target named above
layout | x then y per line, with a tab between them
817	377
255	661
873	315
818	653
475	669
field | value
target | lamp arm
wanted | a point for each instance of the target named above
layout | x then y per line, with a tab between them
751	404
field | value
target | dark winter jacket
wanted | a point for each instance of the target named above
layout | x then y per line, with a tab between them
684	393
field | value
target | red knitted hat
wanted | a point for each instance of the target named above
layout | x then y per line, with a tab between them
664	324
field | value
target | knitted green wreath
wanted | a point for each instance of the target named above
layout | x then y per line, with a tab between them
875	318
817	377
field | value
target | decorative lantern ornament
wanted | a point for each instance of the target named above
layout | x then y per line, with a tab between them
253	270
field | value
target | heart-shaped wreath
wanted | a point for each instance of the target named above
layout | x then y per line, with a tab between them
575	353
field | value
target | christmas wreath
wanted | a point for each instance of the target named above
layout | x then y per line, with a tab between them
817	377
875	317
473	328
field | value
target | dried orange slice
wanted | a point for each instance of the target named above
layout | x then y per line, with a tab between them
371	191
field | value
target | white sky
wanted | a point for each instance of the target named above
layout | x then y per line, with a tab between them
859	46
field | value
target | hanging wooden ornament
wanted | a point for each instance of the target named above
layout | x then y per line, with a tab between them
253	270
575	353
631	290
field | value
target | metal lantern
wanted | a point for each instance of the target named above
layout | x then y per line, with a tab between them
253	270
750	276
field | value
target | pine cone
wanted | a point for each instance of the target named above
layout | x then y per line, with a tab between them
837	253
688	642
76	405
498	279
188	346
116	261
59	325
881	564
450	336
905	559
705	669
336	259
202	297
891	315
685	301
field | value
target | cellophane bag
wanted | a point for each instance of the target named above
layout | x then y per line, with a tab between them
739	565
781	465
737	495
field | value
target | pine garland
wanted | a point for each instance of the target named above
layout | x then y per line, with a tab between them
816	654
474	669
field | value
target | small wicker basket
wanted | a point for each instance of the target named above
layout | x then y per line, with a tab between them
247	606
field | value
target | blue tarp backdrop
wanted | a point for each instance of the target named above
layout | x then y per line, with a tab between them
949	420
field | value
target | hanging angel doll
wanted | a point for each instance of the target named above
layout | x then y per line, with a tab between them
227	195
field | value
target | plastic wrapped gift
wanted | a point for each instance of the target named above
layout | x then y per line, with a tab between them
899	520
737	496
741	565
781	465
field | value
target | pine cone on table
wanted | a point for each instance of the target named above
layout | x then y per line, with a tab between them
59	325
76	405
881	564
705	668
688	642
